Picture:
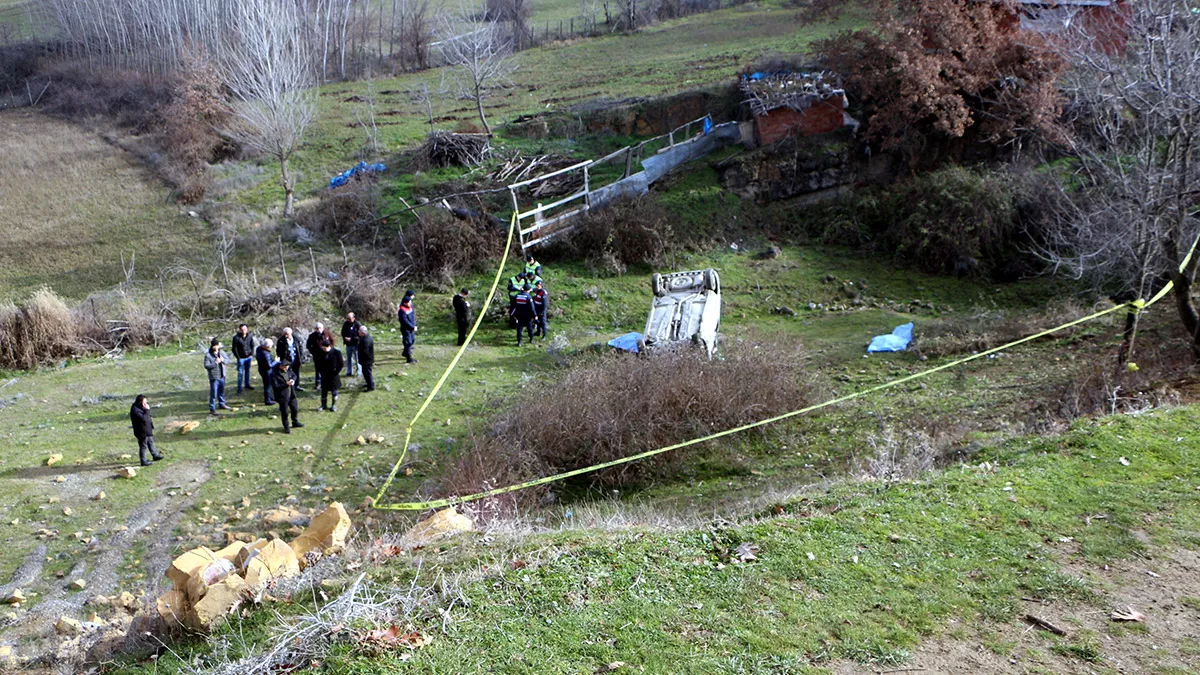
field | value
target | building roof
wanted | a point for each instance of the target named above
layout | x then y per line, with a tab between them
765	92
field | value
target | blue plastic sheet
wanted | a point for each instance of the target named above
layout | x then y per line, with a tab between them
360	168
896	341
627	342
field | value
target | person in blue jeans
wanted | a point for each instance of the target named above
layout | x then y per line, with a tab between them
214	363
243	351
350	340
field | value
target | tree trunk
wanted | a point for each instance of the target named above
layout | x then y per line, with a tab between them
289	188
479	106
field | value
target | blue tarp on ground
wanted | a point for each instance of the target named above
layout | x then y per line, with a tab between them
362	167
896	341
627	342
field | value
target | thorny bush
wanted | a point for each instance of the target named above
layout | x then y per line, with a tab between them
441	247
617	405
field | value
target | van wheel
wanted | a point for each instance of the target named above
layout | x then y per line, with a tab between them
656	285
711	280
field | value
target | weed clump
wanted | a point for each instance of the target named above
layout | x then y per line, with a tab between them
616	405
619	235
441	246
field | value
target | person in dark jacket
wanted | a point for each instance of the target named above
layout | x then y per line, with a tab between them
143	429
350	338
214	363
266	365
290	349
243	351
462	314
330	364
522	313
313	345
366	357
283	383
541	302
408	325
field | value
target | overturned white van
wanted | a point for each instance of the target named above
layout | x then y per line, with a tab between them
686	308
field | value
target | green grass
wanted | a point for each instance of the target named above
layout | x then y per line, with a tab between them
861	572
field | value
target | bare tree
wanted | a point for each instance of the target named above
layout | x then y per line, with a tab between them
269	69
481	58
1131	207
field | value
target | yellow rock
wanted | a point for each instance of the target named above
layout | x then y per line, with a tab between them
126	600
127	472
231	551
444	523
79	584
172	606
282	516
99	495
326	533
181	568
280	559
189	427
221	599
360	440
16	597
54	459
67	626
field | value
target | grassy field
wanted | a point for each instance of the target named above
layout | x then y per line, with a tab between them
71	205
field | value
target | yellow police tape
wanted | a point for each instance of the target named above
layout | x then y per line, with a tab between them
1134	306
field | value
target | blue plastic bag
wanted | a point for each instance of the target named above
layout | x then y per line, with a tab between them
896	341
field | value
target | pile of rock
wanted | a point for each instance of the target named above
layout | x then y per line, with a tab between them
208	584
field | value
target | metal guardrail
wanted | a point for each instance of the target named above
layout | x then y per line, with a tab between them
545	227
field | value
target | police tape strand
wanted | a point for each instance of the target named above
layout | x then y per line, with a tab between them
512	226
1135	306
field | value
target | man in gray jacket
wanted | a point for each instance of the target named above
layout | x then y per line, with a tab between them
214	363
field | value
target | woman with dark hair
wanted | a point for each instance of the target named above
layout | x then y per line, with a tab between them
143	429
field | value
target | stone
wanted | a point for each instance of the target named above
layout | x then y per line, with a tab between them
189	427
127	472
221	599
374	438
232	551
279	558
283	516
444	523
360	441
126	601
67	626
16	597
78	584
205	576
54	459
172	606
326	533
99	496
181	568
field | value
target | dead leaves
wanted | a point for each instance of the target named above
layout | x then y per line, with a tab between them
393	637
745	552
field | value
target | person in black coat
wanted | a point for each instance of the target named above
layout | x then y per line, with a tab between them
283	384
313	345
366	357
522	312
266	364
330	364
143	429
350	338
289	349
408	325
462	314
243	351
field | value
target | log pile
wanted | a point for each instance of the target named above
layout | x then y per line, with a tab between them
443	148
520	168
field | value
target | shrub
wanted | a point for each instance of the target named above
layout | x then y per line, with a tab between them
616	236
190	122
41	330
346	212
617	405
367	294
441	247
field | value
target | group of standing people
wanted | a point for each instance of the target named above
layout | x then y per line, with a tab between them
280	362
528	301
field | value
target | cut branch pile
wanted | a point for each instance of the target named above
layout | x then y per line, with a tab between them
797	91
443	148
520	168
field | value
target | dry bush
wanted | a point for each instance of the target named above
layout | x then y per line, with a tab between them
617	405
129	99
1107	388
41	330
190	122
118	319
346	212
367	294
612	238
441	246
967	334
